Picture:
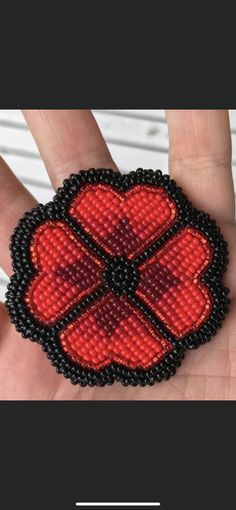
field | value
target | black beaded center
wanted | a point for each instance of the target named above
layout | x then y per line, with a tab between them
121	275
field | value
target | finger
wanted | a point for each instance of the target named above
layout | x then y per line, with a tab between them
200	159
14	201
68	140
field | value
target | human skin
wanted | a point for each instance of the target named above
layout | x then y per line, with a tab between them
200	162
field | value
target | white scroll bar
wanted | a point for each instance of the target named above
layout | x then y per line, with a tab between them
150	504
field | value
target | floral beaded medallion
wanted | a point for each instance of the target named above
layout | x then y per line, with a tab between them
117	277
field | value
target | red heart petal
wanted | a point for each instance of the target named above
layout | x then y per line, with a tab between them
113	330
179	298
66	271
124	223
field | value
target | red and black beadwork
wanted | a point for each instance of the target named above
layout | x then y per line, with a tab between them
117	277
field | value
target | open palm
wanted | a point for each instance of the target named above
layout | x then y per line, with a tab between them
200	162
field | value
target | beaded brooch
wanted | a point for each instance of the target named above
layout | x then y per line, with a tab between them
117	277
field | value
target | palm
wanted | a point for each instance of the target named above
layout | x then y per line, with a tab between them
207	373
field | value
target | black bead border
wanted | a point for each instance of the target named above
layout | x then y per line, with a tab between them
29	327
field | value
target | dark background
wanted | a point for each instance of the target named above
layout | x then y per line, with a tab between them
179	453
106	55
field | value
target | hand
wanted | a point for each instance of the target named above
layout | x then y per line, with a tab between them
200	162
